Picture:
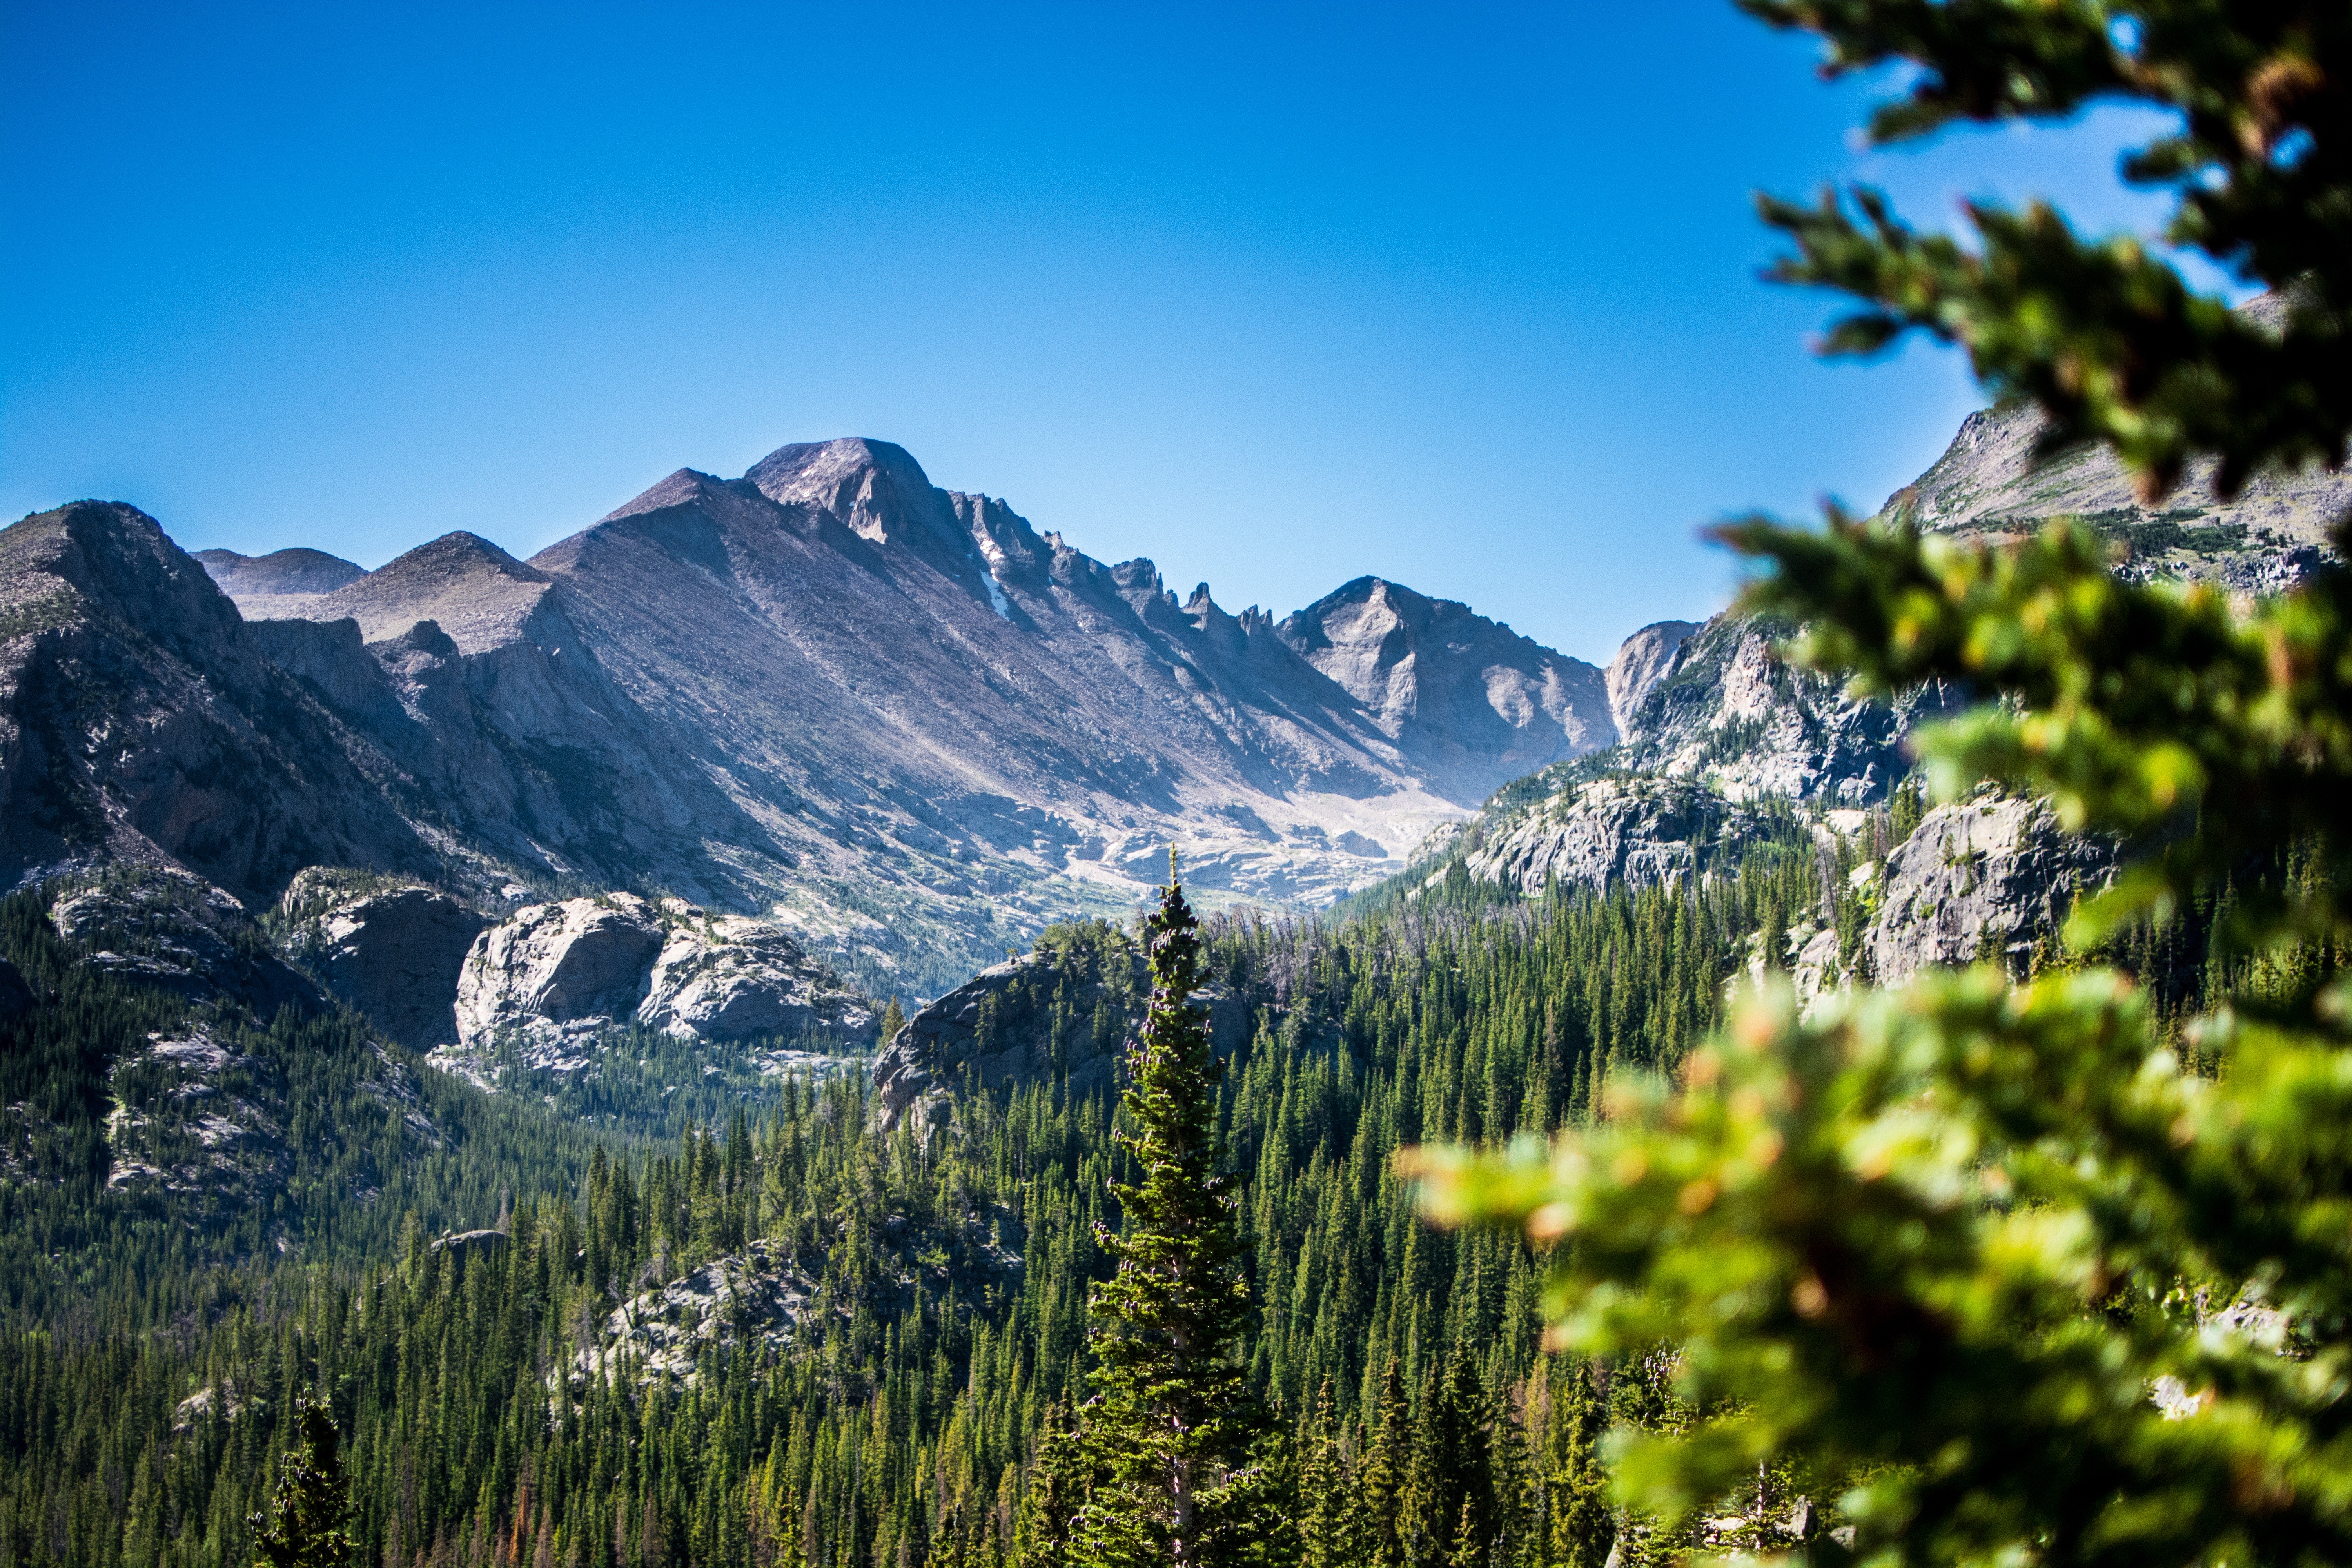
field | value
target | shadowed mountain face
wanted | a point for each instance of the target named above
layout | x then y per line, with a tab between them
143	720
896	715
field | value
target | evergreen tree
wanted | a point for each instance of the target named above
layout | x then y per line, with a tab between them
307	1523
1172	1426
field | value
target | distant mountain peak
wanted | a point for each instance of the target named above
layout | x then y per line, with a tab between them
294	571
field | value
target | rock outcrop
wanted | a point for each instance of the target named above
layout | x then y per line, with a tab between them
757	1297
558	972
1639	831
1061	1013
1726	709
1977	879
736	979
395	952
554	977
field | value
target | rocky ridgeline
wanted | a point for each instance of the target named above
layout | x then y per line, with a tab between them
830	691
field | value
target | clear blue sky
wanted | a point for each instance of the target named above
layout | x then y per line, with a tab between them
1278	296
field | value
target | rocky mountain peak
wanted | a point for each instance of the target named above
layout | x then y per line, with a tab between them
477	592
281	571
875	487
1439	677
117	559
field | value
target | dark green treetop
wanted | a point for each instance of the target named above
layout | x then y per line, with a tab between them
308	1524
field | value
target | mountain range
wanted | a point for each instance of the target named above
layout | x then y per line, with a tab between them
910	729
894	716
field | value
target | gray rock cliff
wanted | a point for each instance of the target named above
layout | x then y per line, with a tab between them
394	952
556	972
1988	876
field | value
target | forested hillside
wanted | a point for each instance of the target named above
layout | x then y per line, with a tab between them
788	1335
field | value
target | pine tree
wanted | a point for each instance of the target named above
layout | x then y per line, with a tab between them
308	1524
1052	1499
1171	1428
1388	1461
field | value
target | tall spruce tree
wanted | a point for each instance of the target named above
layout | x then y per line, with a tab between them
308	1524
1171	1431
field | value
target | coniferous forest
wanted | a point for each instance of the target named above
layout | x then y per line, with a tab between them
914	1404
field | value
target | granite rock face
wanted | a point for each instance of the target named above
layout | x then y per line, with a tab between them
1726	709
558	971
733	979
394	952
555	977
1638	831
1643	660
1062	1012
1990	877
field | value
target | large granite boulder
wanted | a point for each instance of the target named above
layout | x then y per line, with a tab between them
1983	878
395	952
559	970
734	979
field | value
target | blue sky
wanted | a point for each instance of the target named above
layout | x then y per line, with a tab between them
1276	296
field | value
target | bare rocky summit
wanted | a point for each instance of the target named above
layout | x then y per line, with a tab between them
282	582
1472	701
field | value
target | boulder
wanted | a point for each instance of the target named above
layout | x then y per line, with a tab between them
394	952
734	979
1983	878
558	970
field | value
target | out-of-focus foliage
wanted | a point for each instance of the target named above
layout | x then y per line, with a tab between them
2103	333
2006	1273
